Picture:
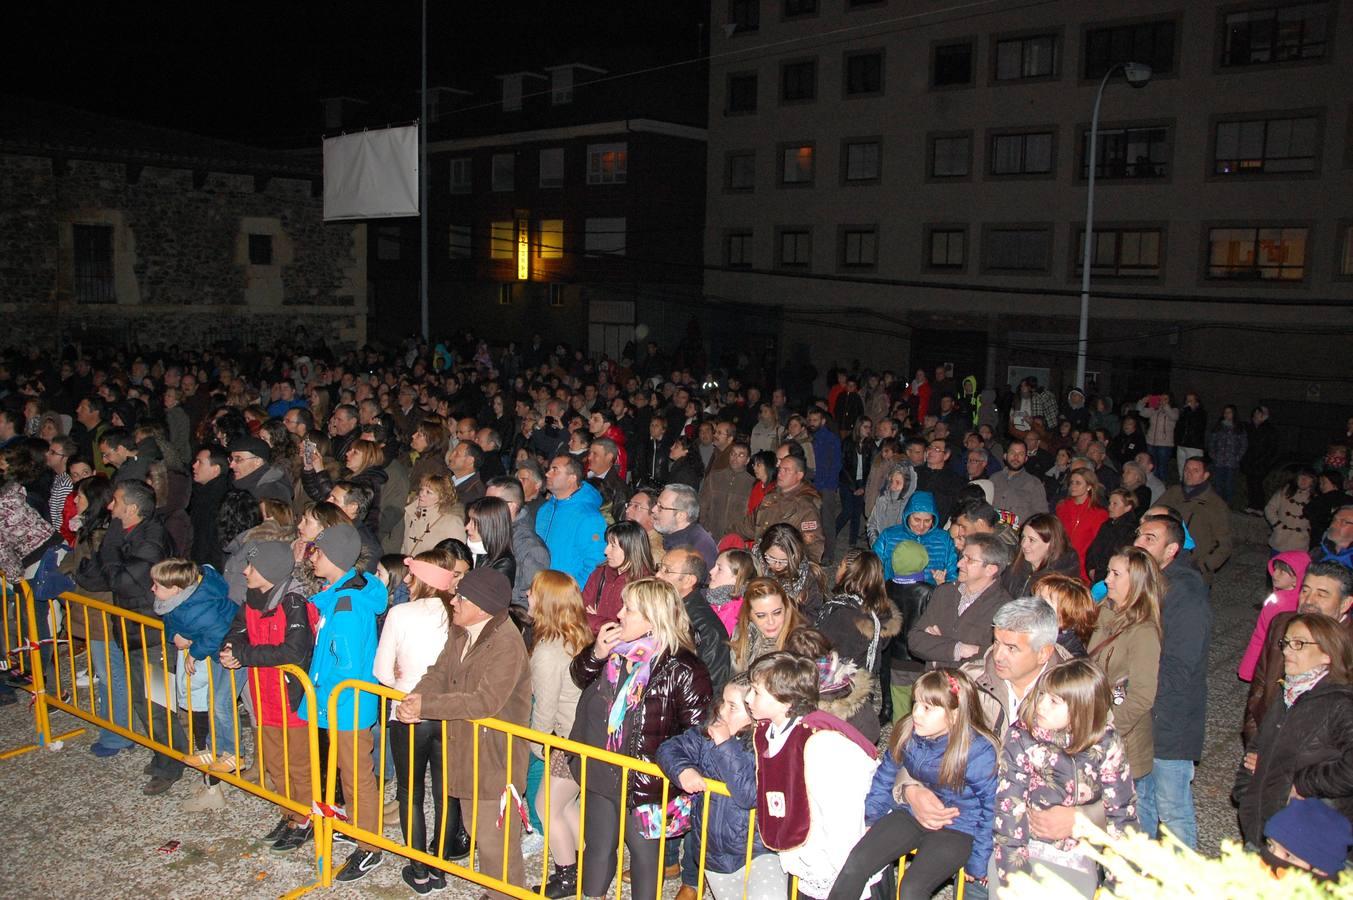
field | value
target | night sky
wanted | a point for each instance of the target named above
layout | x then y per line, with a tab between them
254	72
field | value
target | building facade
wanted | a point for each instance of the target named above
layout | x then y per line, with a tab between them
559	202
123	234
909	184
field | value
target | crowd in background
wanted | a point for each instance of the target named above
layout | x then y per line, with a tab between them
903	614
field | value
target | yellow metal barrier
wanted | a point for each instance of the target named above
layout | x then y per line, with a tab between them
139	639
23	655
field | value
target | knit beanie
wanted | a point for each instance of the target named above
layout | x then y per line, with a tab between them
909	557
1314	831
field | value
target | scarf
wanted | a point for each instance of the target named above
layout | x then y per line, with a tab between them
638	655
720	596
1191	492
1296	685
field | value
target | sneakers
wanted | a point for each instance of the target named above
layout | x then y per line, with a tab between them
209	797
277	830
103	751
83	679
359	865
292	838
341	838
419	879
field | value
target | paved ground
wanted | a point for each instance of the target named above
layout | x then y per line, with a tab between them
77	821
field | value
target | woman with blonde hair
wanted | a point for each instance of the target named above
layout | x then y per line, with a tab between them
1082	513
434	514
1126	646
559	632
765	620
641	683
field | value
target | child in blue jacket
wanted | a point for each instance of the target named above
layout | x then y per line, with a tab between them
920	523
945	747
194	602
717	752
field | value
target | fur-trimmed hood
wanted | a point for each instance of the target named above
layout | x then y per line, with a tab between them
845	687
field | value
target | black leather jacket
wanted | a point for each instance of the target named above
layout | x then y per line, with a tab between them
676	699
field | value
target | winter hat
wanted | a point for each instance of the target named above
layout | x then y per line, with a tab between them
253	446
341	544
272	560
909	557
988	488
1313	831
487	589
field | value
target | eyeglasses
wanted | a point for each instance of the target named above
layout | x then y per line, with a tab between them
668	508
1295	644
668	570
776	563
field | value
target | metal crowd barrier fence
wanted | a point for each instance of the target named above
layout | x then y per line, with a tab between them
136	647
22	661
518	740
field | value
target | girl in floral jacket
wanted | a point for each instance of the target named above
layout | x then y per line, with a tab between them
1061	751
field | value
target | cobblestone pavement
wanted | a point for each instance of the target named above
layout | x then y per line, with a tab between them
82	822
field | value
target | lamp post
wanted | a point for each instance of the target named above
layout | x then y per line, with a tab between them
1137	75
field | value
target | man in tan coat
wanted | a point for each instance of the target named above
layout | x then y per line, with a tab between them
794	501
724	492
483	672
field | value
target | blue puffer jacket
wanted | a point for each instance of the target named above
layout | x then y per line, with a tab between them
345	647
936	541
734	765
574	532
204	617
976	803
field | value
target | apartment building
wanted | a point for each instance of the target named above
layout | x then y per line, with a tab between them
560	201
907	180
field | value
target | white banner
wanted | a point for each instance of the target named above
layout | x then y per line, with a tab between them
372	174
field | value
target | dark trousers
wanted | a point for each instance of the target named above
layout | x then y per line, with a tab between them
852	508
166	725
427	751
601	830
940	854
1254	490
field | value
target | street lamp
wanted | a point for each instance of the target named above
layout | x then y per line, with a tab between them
1137	75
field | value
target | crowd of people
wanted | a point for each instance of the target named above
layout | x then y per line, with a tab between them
905	615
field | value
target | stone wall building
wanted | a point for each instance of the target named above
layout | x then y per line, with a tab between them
124	234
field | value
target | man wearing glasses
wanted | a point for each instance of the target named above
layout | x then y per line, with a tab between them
59	452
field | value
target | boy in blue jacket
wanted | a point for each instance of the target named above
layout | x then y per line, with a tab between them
920	523
345	648
194	602
716	752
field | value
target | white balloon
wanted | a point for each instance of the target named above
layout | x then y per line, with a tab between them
641	331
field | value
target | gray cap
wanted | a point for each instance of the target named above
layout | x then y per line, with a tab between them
341	544
272	560
487	589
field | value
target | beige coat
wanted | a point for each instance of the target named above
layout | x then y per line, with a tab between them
1131	662
555	694
492	681
425	527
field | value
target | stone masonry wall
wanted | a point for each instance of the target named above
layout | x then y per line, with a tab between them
181	264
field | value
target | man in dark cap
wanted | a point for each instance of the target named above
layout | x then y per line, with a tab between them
252	472
274	628
483	672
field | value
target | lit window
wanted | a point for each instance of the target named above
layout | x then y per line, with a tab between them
552	167
1028	57
1266	145
796	164
607	163
605	236
1259	254
1122	252
551	238
502	240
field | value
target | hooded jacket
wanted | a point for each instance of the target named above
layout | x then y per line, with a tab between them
936	541
733	763
1276	603
574	532
202	614
889	504
845	691
345	647
274	628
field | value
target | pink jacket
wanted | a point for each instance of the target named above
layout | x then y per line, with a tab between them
1285	601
